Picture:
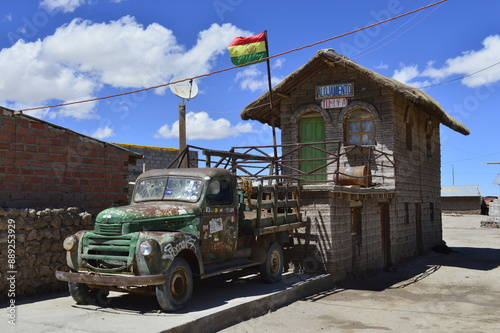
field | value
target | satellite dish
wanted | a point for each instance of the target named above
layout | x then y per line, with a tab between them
185	89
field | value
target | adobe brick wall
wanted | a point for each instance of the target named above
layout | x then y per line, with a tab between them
43	165
327	244
418	180
461	204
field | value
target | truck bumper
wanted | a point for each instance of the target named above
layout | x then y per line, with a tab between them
111	280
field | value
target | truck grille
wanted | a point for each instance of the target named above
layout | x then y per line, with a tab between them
108	254
108	229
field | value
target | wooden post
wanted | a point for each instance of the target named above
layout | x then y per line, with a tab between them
182	134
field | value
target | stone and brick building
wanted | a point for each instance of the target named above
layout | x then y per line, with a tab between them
369	122
52	180
45	165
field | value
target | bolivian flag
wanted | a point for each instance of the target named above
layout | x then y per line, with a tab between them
248	49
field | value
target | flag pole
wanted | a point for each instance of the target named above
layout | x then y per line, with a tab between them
273	118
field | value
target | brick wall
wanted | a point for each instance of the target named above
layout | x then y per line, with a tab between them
43	165
418	180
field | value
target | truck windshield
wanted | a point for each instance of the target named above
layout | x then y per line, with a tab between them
171	188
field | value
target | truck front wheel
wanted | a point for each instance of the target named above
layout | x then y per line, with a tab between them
84	296
272	270
176	292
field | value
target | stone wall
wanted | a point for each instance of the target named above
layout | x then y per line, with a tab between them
38	235
493	220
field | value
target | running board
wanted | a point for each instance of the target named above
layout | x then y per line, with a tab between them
227	267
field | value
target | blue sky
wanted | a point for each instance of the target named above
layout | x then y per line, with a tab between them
55	51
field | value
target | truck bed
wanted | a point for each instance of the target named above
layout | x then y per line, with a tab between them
268	209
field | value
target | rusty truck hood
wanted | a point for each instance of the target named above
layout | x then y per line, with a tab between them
147	211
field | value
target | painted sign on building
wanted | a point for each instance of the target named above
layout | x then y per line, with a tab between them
334	103
335	90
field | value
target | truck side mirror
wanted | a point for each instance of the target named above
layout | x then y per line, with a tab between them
213	188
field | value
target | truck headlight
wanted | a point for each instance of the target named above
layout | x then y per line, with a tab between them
148	247
69	243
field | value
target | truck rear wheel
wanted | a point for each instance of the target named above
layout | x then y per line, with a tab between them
272	270
176	292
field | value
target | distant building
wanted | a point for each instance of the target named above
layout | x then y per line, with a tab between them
153	158
461	199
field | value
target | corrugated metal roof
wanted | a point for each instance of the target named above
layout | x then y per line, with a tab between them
461	191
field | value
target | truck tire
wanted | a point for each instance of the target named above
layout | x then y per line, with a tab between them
176	292
84	296
272	270
81	293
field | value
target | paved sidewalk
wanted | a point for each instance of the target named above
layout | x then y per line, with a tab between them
217	302
456	292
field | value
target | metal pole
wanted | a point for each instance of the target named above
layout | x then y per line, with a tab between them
273	118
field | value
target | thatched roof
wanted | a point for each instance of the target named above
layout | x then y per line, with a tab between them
260	109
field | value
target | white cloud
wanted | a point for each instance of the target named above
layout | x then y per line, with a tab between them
103	133
278	63
253	79
406	74
382	66
65	6
82	57
468	63
199	125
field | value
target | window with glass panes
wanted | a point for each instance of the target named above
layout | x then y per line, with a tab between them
360	129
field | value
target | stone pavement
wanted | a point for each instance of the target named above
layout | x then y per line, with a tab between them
436	292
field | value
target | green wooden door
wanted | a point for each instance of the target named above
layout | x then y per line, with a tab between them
312	129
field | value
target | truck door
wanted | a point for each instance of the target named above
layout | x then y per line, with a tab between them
219	221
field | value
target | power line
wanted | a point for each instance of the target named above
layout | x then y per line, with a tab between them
460	78
234	67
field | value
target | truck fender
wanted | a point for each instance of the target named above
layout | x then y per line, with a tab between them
260	245
185	246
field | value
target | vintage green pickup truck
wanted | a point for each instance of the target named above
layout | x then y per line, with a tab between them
182	224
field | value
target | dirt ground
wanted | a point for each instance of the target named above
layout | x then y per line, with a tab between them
436	292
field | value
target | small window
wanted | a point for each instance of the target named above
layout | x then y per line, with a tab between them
219	193
428	138
431	211
409	134
360	128
407	213
355	221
